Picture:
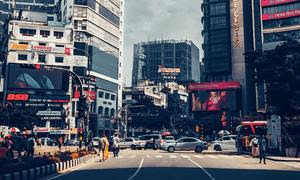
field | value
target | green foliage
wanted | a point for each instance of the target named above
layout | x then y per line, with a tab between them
278	69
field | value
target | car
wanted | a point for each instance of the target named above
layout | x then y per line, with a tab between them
186	144
167	140
73	142
224	143
49	142
133	143
149	138
95	141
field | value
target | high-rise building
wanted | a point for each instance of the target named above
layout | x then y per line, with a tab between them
228	34
150	56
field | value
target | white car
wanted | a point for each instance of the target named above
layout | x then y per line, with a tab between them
132	143
95	141
224	143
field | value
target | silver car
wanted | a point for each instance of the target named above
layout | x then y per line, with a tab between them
186	144
133	143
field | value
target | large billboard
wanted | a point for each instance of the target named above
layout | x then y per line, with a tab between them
214	100
24	77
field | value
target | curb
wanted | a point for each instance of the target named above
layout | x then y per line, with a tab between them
50	169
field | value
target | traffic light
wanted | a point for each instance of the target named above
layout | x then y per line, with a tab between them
82	107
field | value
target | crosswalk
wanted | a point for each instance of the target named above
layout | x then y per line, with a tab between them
182	156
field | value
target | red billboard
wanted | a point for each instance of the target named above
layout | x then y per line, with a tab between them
281	15
265	3
214	86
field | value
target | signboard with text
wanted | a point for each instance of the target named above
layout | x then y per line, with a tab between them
265	3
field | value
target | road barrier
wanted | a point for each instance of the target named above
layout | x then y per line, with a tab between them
50	169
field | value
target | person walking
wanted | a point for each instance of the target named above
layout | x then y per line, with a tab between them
30	150
116	148
60	142
106	143
262	145
8	144
101	147
254	146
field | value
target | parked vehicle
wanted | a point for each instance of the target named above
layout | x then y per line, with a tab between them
95	141
133	143
73	142
167	140
158	139
49	142
186	144
224	143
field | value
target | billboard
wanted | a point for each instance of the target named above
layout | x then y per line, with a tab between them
214	100
265	3
22	77
281	15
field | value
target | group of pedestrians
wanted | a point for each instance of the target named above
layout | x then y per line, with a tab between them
103	147
259	147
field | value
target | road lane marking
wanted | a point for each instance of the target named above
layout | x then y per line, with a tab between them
137	171
237	156
224	156
158	156
185	156
211	156
204	170
173	156
199	156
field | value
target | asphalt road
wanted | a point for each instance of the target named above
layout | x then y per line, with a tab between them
156	165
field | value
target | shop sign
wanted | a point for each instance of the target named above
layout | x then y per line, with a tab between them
275	2
20	47
236	22
73	130
17	97
281	15
59	131
48	113
40	48
42	130
214	86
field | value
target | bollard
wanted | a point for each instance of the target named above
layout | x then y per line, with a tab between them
57	167
64	165
53	168
48	169
43	171
60	166
31	174
24	175
68	165
7	177
17	176
37	172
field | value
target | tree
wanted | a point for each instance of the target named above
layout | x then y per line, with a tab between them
279	70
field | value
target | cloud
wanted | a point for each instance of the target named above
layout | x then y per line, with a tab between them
159	19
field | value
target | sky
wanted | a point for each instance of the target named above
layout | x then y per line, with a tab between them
147	20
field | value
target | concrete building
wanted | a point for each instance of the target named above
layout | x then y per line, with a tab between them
149	56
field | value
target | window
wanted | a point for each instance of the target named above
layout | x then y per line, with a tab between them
189	140
100	94
106	112
44	33
226	139
23	42
109	15
113	97
112	112
42	44
100	110
107	95
58	34
27	32
22	57
50	18
128	140
59	59
42	58
59	45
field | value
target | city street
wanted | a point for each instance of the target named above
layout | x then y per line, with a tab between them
149	164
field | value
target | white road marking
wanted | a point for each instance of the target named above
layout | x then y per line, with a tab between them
173	156
238	156
158	156
199	156
185	156
137	171
211	156
204	170
224	156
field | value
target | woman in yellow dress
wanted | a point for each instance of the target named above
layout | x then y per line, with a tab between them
106	153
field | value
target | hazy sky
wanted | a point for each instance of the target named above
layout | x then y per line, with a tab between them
159	19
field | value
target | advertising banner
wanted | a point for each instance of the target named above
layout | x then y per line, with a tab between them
21	77
281	15
214	86
39	48
217	100
265	3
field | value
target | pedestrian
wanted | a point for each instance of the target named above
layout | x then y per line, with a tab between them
116	148
106	143
30	150
101	147
60	142
254	146
262	145
8	144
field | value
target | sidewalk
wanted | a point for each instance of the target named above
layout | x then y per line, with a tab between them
276	158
